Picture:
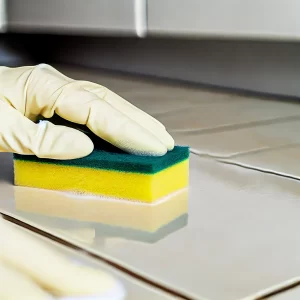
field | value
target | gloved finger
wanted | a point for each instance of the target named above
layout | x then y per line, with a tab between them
83	107
50	269
15	285
117	101
131	111
49	91
56	79
20	135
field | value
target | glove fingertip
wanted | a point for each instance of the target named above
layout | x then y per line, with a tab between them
64	143
83	146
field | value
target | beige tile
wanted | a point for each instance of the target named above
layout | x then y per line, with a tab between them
135	289
282	161
163	98
241	235
156	103
152	96
222	115
242	140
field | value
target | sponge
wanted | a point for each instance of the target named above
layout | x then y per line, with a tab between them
108	172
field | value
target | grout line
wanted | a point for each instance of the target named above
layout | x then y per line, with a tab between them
275	290
259	150
241	154
259	170
279	291
233	127
227	161
228	158
117	266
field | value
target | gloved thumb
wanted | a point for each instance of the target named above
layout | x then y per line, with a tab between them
20	135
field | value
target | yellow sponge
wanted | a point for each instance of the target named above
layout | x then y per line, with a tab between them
108	172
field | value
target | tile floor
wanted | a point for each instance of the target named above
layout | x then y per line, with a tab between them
242	232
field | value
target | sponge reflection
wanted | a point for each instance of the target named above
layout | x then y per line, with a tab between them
90	219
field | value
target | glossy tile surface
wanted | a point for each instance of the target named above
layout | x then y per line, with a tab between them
135	290
241	140
80	216
225	115
291	294
241	222
282	161
240	233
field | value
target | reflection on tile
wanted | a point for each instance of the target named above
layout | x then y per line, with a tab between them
142	236
135	289
81	235
220	115
238	220
241	140
87	218
282	161
242	232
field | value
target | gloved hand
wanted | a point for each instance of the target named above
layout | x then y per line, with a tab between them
15	285
29	92
29	265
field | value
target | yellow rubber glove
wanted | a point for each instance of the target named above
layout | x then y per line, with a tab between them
29	92
16	285
33	258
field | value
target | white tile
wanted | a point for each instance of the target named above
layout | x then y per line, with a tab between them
241	235
134	288
282	161
241	140
223	115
